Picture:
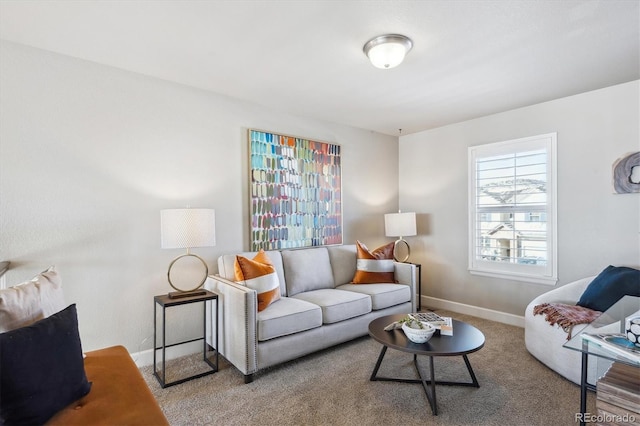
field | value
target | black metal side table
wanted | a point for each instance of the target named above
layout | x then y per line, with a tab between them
164	301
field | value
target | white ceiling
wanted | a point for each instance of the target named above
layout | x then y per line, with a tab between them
470	58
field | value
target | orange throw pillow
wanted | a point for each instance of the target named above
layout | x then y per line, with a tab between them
374	266
260	275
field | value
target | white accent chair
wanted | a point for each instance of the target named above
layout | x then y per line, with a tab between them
545	341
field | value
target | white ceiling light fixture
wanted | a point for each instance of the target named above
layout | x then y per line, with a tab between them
387	51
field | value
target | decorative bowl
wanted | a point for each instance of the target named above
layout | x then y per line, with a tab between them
417	331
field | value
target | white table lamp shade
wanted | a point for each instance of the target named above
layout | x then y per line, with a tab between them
187	228
400	224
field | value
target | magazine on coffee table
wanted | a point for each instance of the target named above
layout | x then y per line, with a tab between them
446	329
615	343
430	317
444	324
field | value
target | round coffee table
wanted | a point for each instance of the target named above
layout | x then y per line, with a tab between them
465	340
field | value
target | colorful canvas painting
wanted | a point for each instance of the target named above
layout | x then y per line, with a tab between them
295	194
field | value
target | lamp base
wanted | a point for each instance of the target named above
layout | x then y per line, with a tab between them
188	292
180	294
395	251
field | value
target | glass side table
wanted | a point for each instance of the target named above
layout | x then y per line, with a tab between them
614	321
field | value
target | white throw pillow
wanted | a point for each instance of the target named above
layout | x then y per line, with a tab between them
31	301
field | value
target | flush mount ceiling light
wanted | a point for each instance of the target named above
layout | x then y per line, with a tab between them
387	51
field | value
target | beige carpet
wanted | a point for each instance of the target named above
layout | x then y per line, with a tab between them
332	387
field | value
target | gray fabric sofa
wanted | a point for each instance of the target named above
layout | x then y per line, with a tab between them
318	307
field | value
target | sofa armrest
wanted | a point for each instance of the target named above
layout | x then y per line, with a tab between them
406	273
237	320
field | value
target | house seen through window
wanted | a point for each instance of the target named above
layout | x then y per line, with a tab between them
512	209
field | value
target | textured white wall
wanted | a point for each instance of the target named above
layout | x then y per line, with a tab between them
89	155
596	227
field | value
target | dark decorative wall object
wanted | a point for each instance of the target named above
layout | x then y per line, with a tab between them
626	174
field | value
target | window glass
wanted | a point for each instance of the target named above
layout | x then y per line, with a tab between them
512	209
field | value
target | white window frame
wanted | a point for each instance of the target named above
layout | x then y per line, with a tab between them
540	274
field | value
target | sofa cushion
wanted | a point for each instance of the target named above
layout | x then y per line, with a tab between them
42	369
374	266
610	286
306	270
382	295
337	305
258	274
343	263
31	301
288	316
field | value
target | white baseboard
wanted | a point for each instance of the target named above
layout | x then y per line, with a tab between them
144	358
490	314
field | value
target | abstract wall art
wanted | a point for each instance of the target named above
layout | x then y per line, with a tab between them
296	192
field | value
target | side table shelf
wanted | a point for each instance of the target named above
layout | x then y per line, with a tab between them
165	302
618	393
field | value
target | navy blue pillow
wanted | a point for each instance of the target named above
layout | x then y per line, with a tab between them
609	287
42	369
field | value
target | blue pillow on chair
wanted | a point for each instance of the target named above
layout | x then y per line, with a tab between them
610	286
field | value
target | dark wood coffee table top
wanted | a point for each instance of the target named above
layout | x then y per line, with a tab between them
466	338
